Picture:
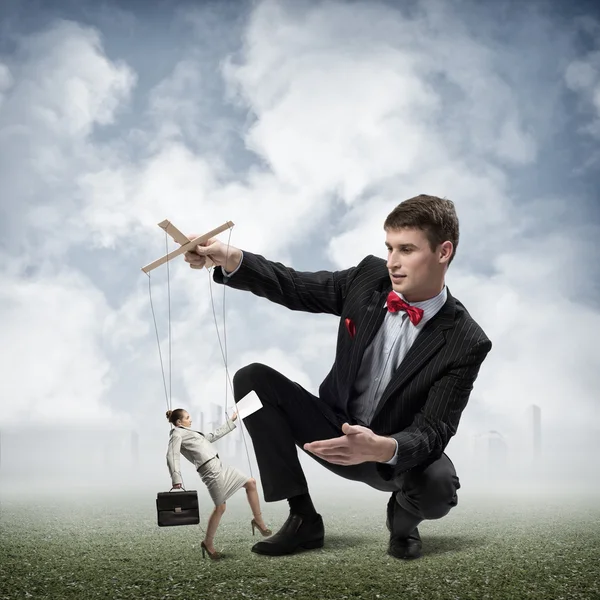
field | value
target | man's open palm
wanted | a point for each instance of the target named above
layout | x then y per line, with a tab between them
357	445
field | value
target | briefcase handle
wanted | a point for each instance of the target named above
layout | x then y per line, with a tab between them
181	488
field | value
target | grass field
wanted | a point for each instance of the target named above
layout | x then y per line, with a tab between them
106	547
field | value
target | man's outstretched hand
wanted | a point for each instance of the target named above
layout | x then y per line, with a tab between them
221	254
357	445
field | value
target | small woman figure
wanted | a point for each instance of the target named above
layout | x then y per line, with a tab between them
222	481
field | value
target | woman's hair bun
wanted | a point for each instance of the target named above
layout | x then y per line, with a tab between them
169	413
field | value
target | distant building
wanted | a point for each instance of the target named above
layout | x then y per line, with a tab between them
490	451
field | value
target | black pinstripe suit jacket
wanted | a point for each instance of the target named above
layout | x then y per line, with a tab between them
423	402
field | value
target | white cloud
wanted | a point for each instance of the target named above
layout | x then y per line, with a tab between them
582	76
54	367
70	85
6	81
62	87
333	115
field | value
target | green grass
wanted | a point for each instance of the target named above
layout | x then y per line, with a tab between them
111	548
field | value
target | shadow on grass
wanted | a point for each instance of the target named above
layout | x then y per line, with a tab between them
432	544
442	544
337	541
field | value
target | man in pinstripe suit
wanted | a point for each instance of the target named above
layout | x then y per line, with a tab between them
407	356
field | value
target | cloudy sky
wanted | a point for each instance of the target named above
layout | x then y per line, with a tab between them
304	123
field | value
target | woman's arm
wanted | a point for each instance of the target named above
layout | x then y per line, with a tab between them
228	426
173	457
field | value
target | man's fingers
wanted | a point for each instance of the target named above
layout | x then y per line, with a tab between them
337	459
208	243
333	443
338	451
330	455
352	429
191	257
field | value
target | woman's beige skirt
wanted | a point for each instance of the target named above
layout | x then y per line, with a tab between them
221	481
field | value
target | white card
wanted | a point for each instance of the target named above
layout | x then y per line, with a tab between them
249	404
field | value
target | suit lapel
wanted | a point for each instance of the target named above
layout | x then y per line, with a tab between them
428	342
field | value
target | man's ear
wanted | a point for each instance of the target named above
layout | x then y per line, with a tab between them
446	251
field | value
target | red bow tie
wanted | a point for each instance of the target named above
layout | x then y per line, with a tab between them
395	303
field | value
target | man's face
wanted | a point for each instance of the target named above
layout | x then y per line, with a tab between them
416	272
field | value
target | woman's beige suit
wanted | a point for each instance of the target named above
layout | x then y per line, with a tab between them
221	481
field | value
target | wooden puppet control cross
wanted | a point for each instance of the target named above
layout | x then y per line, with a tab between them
186	243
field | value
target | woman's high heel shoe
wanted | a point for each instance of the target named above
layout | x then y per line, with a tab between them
266	531
213	555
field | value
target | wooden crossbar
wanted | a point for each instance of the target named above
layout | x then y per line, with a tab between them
187	244
180	238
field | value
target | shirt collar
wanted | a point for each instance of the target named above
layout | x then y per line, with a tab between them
430	306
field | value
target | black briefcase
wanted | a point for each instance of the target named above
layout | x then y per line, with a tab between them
177	508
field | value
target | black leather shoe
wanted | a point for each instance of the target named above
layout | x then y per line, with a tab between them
406	548
405	541
297	533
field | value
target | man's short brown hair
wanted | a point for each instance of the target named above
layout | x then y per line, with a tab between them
436	217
